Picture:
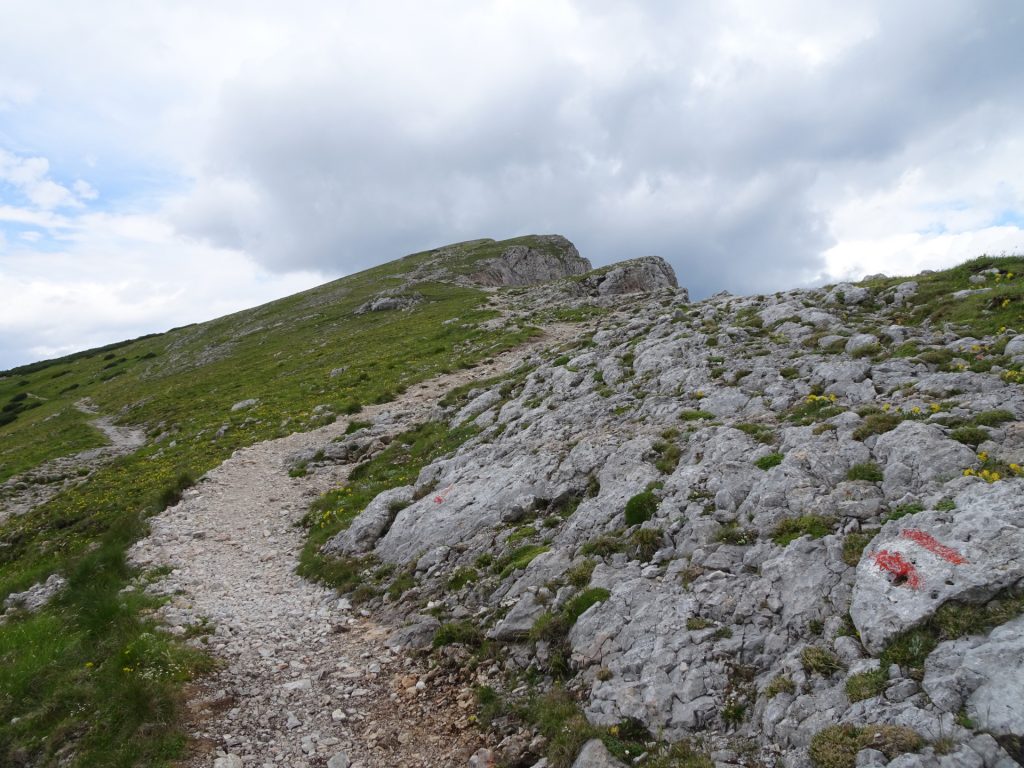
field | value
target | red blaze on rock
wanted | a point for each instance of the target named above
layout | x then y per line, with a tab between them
902	571
928	541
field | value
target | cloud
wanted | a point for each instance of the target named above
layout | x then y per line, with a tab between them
755	147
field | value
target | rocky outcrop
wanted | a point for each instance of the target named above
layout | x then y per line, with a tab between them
982	677
552	257
644	275
702	496
386	301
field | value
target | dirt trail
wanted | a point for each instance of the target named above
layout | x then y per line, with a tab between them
306	681
21	493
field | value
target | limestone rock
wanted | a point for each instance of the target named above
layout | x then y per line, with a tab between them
522	265
595	755
917	564
984	676
651	273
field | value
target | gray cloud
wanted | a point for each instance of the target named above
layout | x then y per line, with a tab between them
335	170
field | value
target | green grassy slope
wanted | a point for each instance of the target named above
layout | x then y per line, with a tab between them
88	676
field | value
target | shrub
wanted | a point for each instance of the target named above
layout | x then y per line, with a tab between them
668	456
697	623
769	461
867	470
793	528
458	632
820	660
641	508
971	436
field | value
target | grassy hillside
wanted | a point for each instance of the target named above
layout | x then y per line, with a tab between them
88	676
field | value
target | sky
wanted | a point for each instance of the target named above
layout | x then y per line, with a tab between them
169	162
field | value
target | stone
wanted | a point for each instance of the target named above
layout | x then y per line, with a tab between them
243	405
595	755
1015	346
35	597
919	457
861	342
918	563
651	273
339	760
228	761
418	635
983	676
554	258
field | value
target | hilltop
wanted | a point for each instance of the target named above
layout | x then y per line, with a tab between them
589	516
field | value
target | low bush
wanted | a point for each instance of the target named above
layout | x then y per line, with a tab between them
641	508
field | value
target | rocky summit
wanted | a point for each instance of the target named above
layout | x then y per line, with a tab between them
626	528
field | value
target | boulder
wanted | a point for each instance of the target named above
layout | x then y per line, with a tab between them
984	676
644	275
595	755
918	563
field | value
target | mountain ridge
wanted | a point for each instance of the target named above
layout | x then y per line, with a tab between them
654	465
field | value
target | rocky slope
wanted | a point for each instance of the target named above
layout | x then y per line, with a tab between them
790	525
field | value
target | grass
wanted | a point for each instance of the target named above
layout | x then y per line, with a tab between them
877	424
867	470
518	558
837	745
950	621
791	529
978	315
866	685
972	436
854	545
396	465
820	660
458	632
691	414
769	461
559	719
183	384
780	684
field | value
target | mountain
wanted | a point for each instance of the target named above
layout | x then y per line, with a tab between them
744	530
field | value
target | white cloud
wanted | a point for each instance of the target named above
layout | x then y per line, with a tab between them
754	146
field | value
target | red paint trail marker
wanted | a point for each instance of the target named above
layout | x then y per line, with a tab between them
904	572
440	498
928	541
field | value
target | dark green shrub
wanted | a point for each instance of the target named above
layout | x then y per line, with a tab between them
641	508
769	461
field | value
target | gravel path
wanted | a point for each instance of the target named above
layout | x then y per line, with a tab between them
305	681
38	485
